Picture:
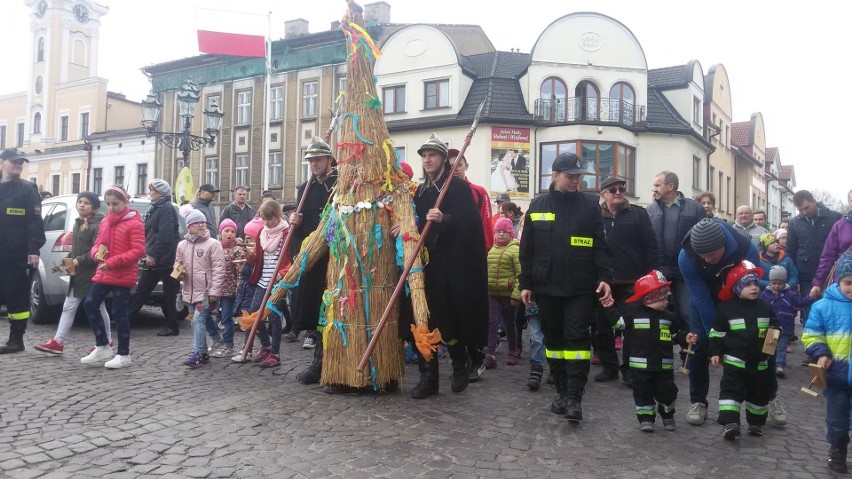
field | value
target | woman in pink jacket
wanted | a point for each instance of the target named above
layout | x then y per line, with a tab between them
203	260
118	249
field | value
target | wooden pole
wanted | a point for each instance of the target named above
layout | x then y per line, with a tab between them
409	263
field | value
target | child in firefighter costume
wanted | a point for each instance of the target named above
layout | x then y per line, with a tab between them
736	342
651	329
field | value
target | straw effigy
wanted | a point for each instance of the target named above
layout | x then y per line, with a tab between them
372	194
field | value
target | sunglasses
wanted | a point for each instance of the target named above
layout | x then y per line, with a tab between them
617	189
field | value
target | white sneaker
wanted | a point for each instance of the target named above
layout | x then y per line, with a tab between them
100	353
777	415
239	358
118	362
310	343
697	414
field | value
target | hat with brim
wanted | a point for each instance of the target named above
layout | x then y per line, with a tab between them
502	197
453	152
612	180
743	268
435	144
12	154
568	163
209	188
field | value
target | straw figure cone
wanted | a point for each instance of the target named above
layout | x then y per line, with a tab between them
372	195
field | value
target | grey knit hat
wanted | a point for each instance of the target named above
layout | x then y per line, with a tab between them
195	216
778	273
706	236
162	186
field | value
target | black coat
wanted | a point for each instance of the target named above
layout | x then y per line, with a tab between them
161	233
20	219
650	334
691	212
456	275
563	251
81	250
240	216
744	342
805	241
631	238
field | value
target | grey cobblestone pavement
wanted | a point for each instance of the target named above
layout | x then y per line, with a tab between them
60	418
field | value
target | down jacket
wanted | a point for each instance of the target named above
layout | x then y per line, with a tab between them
828	332
204	273
785	303
503	270
126	247
839	240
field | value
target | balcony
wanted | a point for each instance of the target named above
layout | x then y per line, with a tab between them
597	110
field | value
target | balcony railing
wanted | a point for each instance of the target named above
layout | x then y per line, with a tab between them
603	110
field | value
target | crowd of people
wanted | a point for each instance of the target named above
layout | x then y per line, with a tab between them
585	275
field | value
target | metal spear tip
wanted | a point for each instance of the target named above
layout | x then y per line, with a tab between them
476	117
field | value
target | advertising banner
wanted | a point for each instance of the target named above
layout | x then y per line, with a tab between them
510	162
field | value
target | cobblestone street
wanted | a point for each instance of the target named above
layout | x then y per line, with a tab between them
60	418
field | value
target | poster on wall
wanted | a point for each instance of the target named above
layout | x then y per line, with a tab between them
510	161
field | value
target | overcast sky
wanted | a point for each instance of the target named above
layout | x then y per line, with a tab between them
785	59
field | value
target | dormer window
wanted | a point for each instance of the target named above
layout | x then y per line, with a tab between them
437	94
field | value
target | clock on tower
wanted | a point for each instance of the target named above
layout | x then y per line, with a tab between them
81	13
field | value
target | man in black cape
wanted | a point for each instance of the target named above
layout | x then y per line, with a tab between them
456	275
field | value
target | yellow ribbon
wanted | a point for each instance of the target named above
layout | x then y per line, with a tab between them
387	145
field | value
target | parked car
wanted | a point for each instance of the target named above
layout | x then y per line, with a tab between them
48	288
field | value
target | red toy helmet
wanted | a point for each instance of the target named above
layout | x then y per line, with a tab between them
745	267
647	284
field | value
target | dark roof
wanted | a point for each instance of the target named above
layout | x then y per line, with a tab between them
670	77
787	172
58	149
104	135
662	115
500	64
739	133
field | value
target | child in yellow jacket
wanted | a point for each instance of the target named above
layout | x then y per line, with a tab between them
504	267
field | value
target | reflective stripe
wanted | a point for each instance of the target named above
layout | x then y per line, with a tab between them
641	323
667	407
665	334
619	324
755	409
568	355
19	316
645	410
542	216
665	322
451	342
729	405
638	363
733	361
762	366
583	241
717	334
667	361
736	324
762	322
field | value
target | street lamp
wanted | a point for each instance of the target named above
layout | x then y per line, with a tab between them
184	141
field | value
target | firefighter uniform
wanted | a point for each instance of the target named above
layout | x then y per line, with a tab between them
23	235
737	338
564	257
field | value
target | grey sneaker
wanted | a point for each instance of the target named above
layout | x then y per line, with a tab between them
310	343
291	337
669	424
731	431
697	414
646	426
222	352
215	345
776	414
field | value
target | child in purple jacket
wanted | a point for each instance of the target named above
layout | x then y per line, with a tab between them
785	302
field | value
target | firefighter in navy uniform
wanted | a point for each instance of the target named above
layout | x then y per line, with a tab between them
565	262
23	228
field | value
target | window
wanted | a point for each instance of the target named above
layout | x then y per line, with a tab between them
275	168
19	139
400	154
552	100
599	159
309	99
243	108
181	164
276	103
437	94
211	170
55	185
393	99
98	181
341	84
730	197
696	110
2	137
75	183
586	106
84	125
696	172
37	123
119	176
621	103
40	50
241	176
712	176
721	182
63	128
141	178
55	220
306	167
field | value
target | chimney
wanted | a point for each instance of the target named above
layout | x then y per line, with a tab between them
335	25
378	12
295	28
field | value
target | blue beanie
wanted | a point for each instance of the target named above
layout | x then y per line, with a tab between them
844	265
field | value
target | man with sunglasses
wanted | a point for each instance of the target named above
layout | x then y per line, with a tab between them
633	242
566	263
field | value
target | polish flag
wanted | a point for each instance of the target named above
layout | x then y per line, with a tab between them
223	32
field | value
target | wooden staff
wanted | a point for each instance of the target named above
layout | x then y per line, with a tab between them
263	311
409	263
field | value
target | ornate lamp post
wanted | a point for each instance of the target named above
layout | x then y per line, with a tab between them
183	141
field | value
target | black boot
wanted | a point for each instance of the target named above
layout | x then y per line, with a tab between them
15	344
313	373
837	459
428	384
573	410
560	380
461	368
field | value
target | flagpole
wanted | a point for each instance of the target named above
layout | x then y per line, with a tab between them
268	88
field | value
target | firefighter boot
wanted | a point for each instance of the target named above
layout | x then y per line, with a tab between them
461	367
557	372
313	373
428	384
575	389
15	344
837	459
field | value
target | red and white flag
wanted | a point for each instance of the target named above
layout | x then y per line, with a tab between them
224	32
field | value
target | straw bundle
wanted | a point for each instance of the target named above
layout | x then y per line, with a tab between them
370	196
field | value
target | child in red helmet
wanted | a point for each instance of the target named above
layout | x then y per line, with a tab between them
736	341
651	329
